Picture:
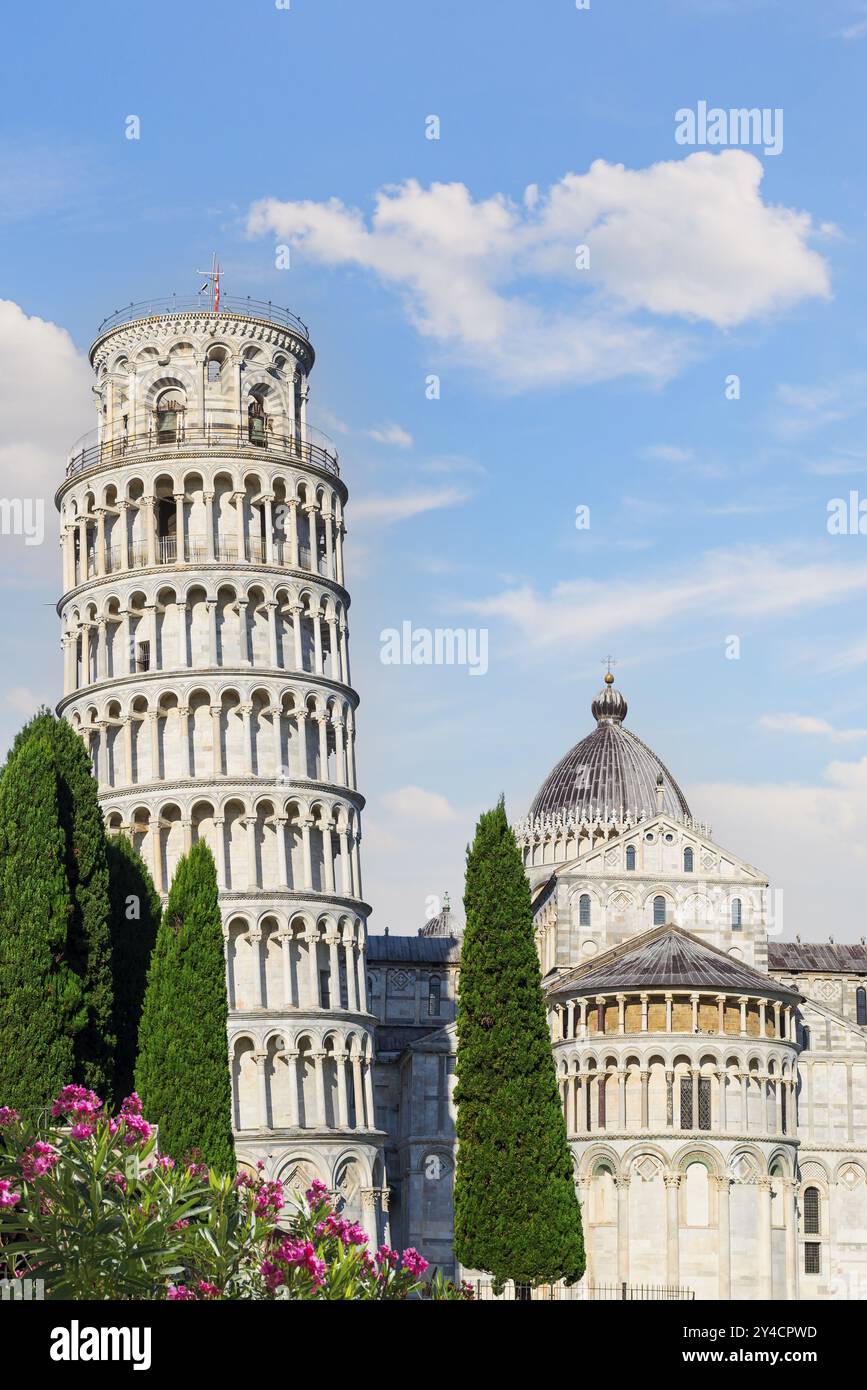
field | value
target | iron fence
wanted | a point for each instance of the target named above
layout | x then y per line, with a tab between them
483	1291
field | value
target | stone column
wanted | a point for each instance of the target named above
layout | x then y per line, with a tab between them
154	727
672	1228
621	1084
217	752
358	1092
208	498
123	532
351	982
261	1060
292	508
219	826
246	712
249	823
312	939
763	1190
644	998
342	1107
644	1077
327	518
669	1099
621	1013
721	1004
211	606
243	634
723	1187
668	1010
319	1066
100	542
790	1209
723	1082
367	1071
180	549
305	849
280	823
182	635
127	749
272	633
285	939
742	1000
239	499
269	530
292	1063
332	941
317	642
296	611
339	750
345	866
184	719
255	939
622	1229
693	999
745	1100
150	530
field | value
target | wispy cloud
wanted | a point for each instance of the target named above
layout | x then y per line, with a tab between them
392	434
418	804
400	506
816	405
689	240
808	725
744	583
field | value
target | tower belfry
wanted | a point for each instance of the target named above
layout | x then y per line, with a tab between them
206	668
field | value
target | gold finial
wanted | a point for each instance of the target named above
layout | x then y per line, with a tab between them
609	678
609	662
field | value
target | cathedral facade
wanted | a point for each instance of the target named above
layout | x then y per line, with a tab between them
713	1078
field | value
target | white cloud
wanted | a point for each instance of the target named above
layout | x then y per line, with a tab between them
392	434
808	838
808	724
816	405
418	804
400	506
746	582
45	403
23	700
687	239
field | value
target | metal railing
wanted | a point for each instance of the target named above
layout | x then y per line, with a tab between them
195	551
483	1290
90	453
198	304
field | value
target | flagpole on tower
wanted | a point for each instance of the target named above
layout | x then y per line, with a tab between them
212	281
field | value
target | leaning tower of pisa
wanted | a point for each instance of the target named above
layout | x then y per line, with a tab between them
206	667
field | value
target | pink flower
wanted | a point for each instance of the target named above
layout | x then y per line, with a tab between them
340	1229
80	1130
8	1198
136	1130
317	1194
165	1162
118	1179
8	1116
131	1106
77	1102
414	1263
386	1258
40	1158
269	1199
179	1293
302	1254
180	1225
209	1290
272	1274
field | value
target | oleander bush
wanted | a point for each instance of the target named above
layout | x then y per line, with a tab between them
88	1205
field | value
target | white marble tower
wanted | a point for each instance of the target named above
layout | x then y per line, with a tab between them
206	666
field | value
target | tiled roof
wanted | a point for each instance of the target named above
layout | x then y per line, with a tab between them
825	956
668	958
403	950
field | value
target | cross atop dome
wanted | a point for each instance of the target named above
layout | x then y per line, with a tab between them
608	662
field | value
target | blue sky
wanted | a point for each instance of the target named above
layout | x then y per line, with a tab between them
559	387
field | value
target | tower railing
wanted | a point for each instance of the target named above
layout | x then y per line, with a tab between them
216	432
197	304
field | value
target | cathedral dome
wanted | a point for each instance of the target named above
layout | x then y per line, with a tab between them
610	772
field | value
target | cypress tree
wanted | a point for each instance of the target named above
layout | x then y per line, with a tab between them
182	1072
516	1212
90	946
135	915
42	999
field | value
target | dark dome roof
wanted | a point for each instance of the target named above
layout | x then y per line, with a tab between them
610	771
669	958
